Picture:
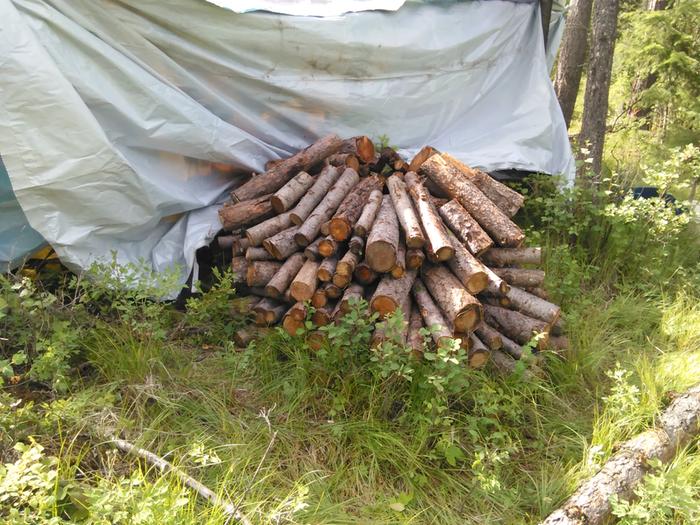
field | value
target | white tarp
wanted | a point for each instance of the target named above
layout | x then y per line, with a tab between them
112	110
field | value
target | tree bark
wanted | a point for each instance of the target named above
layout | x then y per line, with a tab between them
406	214
435	230
465	227
433	317
478	354
326	269
269	312
258	233
282	244
259	273
512	256
424	154
257	253
273	179
515	325
520	277
289	194
414	259
280	282
470	272
496	285
347	263
383	240
496	223
399	269
533	306
350	209
572	56
461	309
242	213
595	102
311	251
304	284
489	336
325	180
356	245
369	213
675	428
311	227
391	293
353	292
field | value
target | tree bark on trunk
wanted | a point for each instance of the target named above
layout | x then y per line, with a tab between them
489	336
282	279
289	194
352	292
399	269
478	355
465	227
357	245
391	293
328	176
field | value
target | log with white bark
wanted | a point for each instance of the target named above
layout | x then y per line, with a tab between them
327	268
350	209
515	325
591	504
408	219
465	227
435	230
391	293
478	354
325	180
512	256
533	306
520	277
272	226
305	282
433	318
259	273
282	244
466	267
497	224
414	259
461	309
311	227
246	212
289	194
383	240
273	179
369	213
283	278
257	253
311	251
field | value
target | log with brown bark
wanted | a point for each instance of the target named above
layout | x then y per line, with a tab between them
399	269
273	179
282	244
311	227
364	274
328	246
347	263
497	224
465	227
512	256
520	277
478	355
352	294
259	273
496	286
508	200
461	309
433	318
362	147
676	427
435	230
533	306
414	259
356	245
282	279
405	212
246	212
350	209
257	253
391	293
272	226
515	325
326	269
325	180
289	194
466	267
294	318
489	336
240	245
383	240
269	312
239	267
424	154
323	316
320	298
344	160
369	213
311	251
305	282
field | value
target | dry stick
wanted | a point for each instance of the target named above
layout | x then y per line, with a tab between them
390	293
282	245
509	201
357	245
257	253
328	246
282	279
304	284
461	309
433	318
383	240
489	336
326	269
234	216
406	214
166	467
259	273
399	268
311	227
466	267
512	256
275	178
675	428
328	176
533	306
369	214
258	233
478	354
497	224
515	325
465	227
364	274
414	259
435	230
290	193
350	209
520	277
311	251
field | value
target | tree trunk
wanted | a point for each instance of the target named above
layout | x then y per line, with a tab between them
435	230
225	242
319	298
325	180
245	335
259	273
515	325
289	194
461	309
572	56
433	318
326	269
257	253
273	179
595	102
350	209
465	227
282	245
406	214
520	277
369	213
533	306
304	284
391	293
383	240
478	354
468	270
311	251
675	428
512	256
234	216
258	233
414	259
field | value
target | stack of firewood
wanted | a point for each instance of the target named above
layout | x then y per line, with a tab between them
432	237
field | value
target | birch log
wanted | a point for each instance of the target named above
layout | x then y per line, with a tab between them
435	230
369	213
328	176
408	219
383	240
289	194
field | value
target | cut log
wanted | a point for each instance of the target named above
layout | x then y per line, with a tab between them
311	227
323	316
239	267
294	318
538	291
497	224
404	211
289	194
512	256
383	240
414	259
508	201
258	233
399	269
470	272
333	291
353	293
240	245
435	230
478	354
328	246
361	146
326	269
433	318
460	308
283	278
282	245
342	281
259	273
369	213
391	293
357	245
269	312
510	347
533	306
346	265
257	253
344	160
246	212
496	286
489	336
515	325
387	157
424	154
273	179
465	227
319	298
558	343
677	426
506	365
326	179
311	251
304	284
364	274
225	242
244	336
350	208
520	277
414	341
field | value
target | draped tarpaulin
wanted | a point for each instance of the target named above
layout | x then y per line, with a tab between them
112	110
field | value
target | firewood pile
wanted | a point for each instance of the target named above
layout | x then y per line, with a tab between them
432	236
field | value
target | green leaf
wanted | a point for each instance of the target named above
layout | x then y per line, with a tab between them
452	454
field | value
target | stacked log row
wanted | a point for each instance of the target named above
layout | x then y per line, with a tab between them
432	237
